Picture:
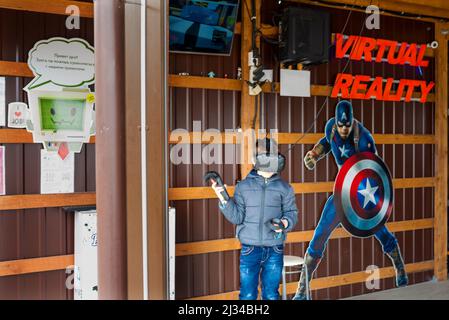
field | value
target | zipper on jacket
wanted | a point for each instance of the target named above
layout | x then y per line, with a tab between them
263	211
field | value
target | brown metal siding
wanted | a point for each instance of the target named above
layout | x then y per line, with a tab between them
46	231
200	219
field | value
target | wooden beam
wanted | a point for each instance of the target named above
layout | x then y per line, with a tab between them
406	183
362	276
20	69
34	201
204	137
195	82
221	245
8	136
437	4
273	32
26	266
315	90
248	109
194	193
441	156
325	91
312	138
332	281
404	139
15	69
49	6
15	136
176	137
387	7
199	193
21	136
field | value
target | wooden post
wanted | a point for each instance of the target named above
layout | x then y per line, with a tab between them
110	149
248	109
133	152
156	152
441	159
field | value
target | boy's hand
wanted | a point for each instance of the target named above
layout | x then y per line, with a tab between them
218	191
284	222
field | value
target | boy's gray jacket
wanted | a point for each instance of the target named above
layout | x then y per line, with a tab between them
256	201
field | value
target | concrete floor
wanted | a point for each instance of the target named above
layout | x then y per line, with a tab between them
431	290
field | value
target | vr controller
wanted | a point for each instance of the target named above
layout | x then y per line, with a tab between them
276	225
213	176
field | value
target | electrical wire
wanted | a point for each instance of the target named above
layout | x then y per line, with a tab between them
257	105
293	145
391	12
274	42
277	43
327	98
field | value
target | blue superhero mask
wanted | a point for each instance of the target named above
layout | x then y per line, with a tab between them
343	114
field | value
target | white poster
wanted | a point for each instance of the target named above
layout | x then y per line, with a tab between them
295	83
86	256
59	62
17	115
57	175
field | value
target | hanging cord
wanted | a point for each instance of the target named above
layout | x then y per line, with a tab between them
256	111
391	12
258	31
254	49
327	97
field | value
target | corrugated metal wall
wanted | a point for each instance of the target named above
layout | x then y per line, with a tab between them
46	231
198	220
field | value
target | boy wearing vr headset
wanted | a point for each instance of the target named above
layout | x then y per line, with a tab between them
264	209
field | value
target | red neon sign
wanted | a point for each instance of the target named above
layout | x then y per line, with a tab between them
378	50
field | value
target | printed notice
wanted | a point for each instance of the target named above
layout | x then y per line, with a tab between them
57	175
61	62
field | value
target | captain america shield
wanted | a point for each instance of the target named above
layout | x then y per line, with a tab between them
363	194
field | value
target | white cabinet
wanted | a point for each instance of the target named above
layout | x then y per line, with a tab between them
86	269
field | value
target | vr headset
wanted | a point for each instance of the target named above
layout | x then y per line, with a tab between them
267	162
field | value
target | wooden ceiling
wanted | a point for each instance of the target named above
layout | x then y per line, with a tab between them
431	8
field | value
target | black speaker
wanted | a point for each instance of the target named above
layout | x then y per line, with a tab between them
304	36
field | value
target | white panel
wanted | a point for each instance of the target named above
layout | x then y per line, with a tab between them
86	270
172	250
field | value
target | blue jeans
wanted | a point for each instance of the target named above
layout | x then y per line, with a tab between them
266	262
329	221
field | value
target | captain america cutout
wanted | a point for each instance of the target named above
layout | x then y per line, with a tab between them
345	137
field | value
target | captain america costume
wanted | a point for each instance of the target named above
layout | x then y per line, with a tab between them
344	137
343	150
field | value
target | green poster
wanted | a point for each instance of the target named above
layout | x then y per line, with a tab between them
62	114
